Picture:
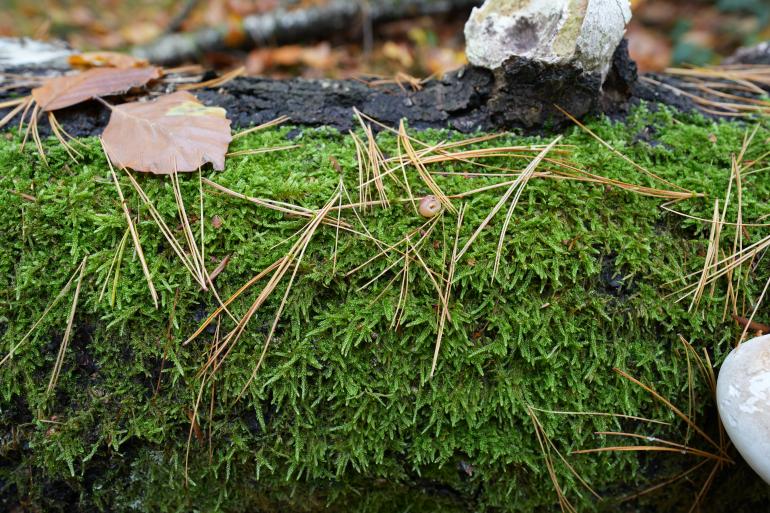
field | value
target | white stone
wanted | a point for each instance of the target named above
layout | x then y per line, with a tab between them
743	399
580	32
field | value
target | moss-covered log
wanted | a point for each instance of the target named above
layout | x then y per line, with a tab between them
343	415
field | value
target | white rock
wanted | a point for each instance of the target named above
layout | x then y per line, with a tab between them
580	32
743	398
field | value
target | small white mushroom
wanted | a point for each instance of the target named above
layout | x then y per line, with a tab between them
430	206
743	399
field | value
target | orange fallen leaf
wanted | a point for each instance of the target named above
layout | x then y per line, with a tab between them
399	53
289	55
140	32
648	49
173	133
59	92
105	60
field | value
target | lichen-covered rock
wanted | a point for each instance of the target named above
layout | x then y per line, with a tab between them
583	33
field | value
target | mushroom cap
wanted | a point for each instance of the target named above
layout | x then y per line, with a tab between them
743	399
430	206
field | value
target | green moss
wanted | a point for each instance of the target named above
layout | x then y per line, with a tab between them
343	414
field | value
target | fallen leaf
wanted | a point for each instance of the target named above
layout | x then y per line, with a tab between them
105	60
141	32
399	53
289	55
317	57
650	50
59	92
235	34
174	132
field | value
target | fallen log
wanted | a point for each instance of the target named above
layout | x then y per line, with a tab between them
285	26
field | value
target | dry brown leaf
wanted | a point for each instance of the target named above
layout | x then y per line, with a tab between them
105	60
59	92
648	48
174	132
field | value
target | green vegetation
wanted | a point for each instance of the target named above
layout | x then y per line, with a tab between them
343	414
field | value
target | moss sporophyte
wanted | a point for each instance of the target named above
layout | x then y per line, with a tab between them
351	353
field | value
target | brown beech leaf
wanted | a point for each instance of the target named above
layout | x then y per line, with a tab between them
59	92
174	132
88	60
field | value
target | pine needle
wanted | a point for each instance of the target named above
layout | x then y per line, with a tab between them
666	482
280	206
670	406
545	449
619	154
14	102
337	231
666	446
132	229
214	82
754	312
59	297
62	136
121	248
448	290
424	175
371	158
712	256
68	331
27	106
269	124
258	151
21	105
504	199
36	134
299	249
232	298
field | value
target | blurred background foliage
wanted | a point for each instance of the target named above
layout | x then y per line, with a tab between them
662	33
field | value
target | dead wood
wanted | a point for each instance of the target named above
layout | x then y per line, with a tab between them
285	26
